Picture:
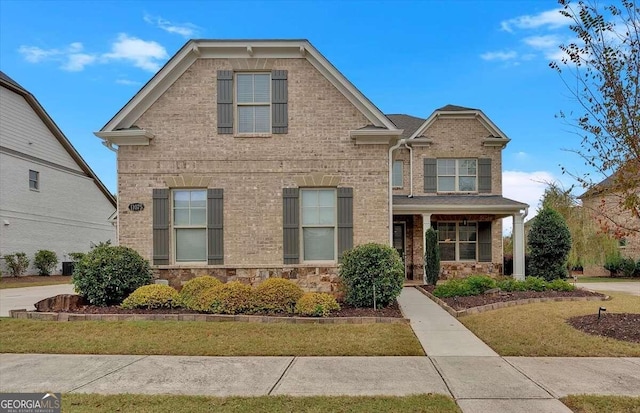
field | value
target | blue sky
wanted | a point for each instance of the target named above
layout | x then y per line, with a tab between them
84	60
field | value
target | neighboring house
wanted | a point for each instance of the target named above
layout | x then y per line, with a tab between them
49	197
258	158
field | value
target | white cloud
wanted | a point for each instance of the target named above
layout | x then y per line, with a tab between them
77	61
526	187
499	55
34	54
127	82
543	42
551	19
71	57
183	29
146	55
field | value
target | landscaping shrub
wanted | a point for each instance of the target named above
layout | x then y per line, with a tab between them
152	296
106	275
230	298
613	264
480	283
369	265
560	285
76	256
550	243
194	287
511	284
453	288
316	305
431	257
277	295
45	261
627	267
17	263
535	284
637	272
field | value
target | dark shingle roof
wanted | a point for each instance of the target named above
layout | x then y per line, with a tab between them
471	200
453	108
409	123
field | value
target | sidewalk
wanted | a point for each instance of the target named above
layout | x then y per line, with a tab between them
460	366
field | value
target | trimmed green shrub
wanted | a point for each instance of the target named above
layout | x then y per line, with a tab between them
511	284
316	305
152	296
453	288
371	265
277	295
560	285
194	287
535	284
480	283
627	267
17	263
230	298
107	275
550	243
431	257
45	261
613	264
637	272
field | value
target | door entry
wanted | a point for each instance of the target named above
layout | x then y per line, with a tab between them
399	237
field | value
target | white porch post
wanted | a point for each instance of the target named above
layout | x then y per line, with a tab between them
426	224
518	246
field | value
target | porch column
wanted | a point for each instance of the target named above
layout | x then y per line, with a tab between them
426	224
518	246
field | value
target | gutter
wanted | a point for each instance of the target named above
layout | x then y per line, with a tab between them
109	146
410	168
390	171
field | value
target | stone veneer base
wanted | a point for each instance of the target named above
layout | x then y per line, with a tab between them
503	304
34	315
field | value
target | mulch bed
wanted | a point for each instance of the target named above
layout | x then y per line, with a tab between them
392	310
620	326
463	303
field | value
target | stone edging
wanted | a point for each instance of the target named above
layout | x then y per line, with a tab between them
503	304
34	315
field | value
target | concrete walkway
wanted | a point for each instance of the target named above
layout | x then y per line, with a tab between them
630	287
17	298
459	365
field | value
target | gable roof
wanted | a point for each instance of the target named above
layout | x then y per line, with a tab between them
210	48
406	122
12	85
454	111
630	171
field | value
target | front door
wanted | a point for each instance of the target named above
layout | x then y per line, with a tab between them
399	233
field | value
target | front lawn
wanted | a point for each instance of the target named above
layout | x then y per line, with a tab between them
192	338
598	404
33	281
427	403
535	330
607	279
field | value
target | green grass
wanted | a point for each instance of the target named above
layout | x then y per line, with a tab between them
539	330
189	338
606	279
602	404
18	284
427	403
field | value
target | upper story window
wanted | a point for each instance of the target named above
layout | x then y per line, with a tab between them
319	217
34	180
396	174
190	225
457	175
253	102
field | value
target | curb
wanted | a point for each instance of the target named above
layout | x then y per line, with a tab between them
503	304
34	315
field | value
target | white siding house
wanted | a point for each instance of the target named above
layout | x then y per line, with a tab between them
49	197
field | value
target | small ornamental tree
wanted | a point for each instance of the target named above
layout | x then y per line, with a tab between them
371	265
550	243
431	257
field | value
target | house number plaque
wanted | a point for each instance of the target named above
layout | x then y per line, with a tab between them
136	207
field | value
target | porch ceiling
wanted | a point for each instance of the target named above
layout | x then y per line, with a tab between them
457	204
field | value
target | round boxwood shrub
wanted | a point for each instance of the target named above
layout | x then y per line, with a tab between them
230	298
277	295
316	304
45	261
152	296
194	287
369	265
106	275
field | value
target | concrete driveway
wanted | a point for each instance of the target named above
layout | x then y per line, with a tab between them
620	287
17	298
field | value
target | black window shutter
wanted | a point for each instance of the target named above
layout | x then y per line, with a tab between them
161	215
225	101
345	220
279	104
484	175
484	241
430	175
291	225
215	232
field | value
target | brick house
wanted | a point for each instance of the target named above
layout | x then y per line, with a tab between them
258	158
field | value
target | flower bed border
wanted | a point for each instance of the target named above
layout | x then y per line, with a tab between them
35	315
503	304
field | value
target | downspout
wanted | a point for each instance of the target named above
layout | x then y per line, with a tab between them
410	169
109	146
391	149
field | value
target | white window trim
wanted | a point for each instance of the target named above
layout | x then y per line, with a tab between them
457	176
457	242
236	105
401	174
36	181
334	226
173	227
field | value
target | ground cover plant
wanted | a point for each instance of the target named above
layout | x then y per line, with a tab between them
480	284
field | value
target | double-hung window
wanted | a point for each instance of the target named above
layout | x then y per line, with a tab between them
457	175
190	225
253	102
458	241
396	174
34	180
319	217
